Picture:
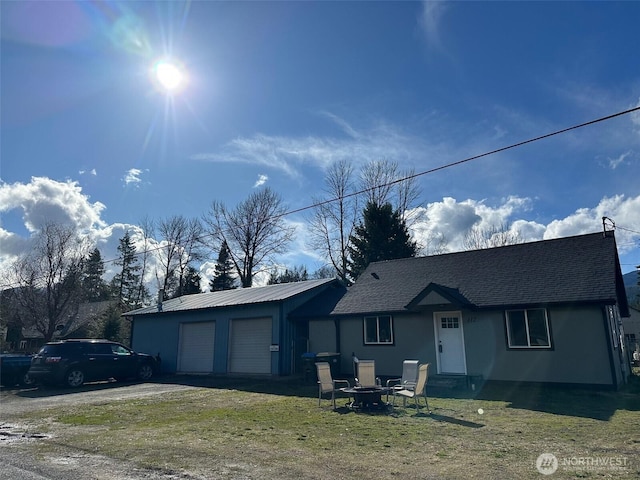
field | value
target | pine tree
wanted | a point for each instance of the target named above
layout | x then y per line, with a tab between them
191	282
297	274
382	235
125	283
223	278
94	288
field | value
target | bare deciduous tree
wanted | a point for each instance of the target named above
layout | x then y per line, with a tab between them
48	279
254	231
334	218
501	235
384	183
180	238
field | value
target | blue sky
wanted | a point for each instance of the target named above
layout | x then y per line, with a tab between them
277	91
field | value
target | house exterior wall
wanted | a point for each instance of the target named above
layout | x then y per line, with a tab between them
322	336
581	353
413	339
160	333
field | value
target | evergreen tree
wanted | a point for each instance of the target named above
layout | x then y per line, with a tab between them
223	278
191	282
94	288
112	325
297	274
125	283
381	235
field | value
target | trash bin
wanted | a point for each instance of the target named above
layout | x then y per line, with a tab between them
333	359
309	367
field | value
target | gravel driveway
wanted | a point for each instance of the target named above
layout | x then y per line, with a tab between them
18	455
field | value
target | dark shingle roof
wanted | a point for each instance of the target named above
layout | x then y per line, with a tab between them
583	268
236	297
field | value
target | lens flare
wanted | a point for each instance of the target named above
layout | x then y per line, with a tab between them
170	76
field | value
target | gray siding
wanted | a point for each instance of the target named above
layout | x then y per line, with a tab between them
579	353
159	332
579	338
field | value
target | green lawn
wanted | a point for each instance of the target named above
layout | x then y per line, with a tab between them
248	428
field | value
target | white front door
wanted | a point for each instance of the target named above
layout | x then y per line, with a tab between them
450	342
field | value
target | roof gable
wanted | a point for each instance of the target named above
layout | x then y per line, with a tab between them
576	269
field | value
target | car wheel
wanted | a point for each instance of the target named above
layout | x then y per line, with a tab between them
74	378
145	372
27	380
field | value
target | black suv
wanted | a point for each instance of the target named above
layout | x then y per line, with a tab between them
73	362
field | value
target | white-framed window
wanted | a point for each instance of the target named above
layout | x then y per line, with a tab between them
378	330
528	328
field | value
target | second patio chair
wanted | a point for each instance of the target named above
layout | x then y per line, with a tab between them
419	390
326	383
408	380
366	374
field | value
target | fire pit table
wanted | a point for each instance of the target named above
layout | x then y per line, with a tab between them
367	398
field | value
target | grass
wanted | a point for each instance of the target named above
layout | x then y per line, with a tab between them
251	428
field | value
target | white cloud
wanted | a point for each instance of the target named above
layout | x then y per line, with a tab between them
430	21
262	179
132	177
290	154
453	219
616	162
44	200
91	172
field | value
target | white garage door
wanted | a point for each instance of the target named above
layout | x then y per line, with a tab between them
249	349
196	347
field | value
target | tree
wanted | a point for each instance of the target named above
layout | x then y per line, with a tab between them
382	235
297	274
94	287
181	246
254	231
383	182
334	218
49	279
478	238
336	213
223	278
191	282
126	283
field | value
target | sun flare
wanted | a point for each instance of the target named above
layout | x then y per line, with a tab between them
170	76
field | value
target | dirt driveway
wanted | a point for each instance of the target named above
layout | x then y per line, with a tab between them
18	443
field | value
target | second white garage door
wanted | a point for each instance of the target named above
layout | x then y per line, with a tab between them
249	346
196	347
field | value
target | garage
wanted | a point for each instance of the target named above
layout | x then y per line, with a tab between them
250	340
196	347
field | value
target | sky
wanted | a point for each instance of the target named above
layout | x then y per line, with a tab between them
273	93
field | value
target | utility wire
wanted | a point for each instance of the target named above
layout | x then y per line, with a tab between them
427	172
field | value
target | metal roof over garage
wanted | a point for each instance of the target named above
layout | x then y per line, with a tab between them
232	298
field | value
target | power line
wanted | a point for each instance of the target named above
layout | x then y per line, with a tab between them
429	171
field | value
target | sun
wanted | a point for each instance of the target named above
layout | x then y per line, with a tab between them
169	75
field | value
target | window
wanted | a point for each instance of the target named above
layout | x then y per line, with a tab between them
528	328
378	330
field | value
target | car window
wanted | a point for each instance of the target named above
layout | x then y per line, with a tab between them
99	348
120	350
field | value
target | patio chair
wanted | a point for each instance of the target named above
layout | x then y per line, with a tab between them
366	374
419	390
408	380
326	383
